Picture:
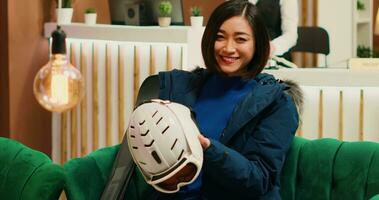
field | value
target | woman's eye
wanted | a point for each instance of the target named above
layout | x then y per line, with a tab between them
219	37
241	39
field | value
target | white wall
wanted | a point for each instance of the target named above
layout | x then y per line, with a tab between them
336	16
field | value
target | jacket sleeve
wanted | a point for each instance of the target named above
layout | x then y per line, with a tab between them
254	169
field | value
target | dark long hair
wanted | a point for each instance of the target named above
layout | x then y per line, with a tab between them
224	12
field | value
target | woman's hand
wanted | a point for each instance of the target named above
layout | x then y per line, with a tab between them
205	142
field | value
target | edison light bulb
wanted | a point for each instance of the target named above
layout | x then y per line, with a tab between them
58	86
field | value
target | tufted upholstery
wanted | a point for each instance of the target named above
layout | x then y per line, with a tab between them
87	176
315	169
28	174
331	169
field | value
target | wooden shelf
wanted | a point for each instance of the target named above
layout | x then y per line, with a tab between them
363	20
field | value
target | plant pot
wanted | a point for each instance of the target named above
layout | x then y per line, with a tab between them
196	21
64	15
90	18
164	21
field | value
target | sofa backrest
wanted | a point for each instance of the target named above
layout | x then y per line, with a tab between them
330	169
88	175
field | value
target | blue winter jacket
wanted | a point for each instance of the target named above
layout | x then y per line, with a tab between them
247	160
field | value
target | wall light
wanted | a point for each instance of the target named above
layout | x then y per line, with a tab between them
58	86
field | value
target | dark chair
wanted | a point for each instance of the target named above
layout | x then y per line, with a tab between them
312	40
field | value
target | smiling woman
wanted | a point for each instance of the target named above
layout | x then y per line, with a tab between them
238	38
246	141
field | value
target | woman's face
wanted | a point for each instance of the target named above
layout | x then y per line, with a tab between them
234	46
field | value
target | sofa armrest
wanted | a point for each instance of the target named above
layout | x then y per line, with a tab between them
87	176
28	174
47	182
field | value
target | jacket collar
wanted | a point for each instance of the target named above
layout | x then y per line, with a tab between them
192	82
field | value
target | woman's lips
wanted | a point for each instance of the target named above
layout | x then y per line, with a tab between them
228	60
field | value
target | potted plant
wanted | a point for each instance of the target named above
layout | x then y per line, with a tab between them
360	5
165	9
64	11
90	16
363	52
196	18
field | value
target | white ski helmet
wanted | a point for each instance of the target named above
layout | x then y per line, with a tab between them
163	141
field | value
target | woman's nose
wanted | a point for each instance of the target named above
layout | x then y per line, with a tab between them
229	46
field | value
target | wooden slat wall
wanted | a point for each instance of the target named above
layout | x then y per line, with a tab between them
345	113
113	73
83	105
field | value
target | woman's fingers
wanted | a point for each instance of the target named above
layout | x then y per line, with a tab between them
205	142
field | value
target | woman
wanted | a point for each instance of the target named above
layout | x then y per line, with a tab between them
247	119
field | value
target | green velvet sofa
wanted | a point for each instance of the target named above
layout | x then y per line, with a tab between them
87	176
28	174
330	169
314	169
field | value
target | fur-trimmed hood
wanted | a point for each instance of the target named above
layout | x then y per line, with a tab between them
295	92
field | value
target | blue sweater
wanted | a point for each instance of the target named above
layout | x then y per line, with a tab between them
213	109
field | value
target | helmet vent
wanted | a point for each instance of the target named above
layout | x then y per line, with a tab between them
154	113
159	120
135	147
141	123
142	162
172	147
149	145
132	136
145	133
181	153
165	129
132	127
156	157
